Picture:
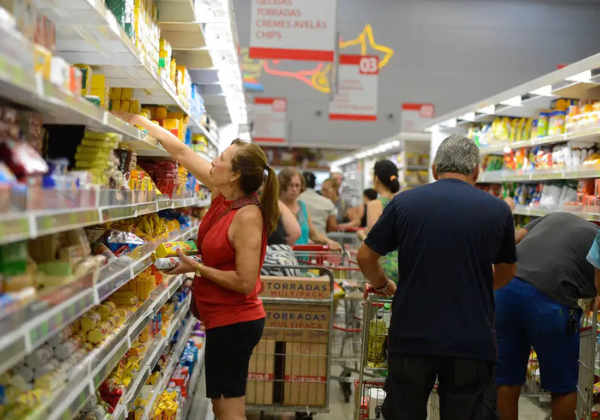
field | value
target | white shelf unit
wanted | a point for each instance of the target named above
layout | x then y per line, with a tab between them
580	80
401	145
88	33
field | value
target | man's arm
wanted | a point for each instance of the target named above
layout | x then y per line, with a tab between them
520	235
368	261
505	264
503	274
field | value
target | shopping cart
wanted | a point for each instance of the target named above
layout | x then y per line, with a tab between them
347	237
588	401
289	370
369	388
346	329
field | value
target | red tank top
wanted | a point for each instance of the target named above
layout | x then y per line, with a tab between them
217	305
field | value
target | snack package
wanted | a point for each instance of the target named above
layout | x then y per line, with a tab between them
169	249
169	263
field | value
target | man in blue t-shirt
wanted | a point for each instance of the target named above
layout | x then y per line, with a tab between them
456	245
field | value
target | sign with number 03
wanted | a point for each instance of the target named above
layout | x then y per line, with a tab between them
358	83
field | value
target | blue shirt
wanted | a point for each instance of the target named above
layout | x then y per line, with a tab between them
448	235
302	218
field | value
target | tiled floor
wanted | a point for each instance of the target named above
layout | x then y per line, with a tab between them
340	410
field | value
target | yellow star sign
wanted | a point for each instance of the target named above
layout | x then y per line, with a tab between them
366	39
320	80
319	76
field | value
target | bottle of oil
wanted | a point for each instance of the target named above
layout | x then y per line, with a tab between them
377	336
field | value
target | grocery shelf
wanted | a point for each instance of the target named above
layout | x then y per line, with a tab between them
168	371
58	106
536	212
20	226
580	80
591	135
26	329
539	175
194	382
68	400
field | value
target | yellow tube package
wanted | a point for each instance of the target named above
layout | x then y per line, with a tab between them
169	249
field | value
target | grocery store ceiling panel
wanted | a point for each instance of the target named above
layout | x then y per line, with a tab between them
417	43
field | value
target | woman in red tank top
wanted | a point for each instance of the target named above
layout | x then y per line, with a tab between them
232	240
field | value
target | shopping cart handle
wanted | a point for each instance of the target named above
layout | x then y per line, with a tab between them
311	247
350	229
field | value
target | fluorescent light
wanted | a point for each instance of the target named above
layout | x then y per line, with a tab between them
514	101
449	123
469	116
543	91
584	76
489	110
433	129
396	143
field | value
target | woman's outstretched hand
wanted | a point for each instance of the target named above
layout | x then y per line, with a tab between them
128	117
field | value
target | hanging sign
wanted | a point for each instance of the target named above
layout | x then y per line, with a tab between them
356	98
413	115
269	120
293	30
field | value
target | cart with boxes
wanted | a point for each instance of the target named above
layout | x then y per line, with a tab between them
289	369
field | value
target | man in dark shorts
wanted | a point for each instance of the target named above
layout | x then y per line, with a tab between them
456	245
539	308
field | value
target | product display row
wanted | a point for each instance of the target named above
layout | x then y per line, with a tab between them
49	281
566	116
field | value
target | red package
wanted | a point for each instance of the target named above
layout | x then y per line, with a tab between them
22	159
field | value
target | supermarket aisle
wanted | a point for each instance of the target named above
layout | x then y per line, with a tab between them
340	410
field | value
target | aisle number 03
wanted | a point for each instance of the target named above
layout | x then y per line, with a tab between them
368	65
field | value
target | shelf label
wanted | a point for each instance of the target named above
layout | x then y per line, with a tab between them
293	30
116	213
62	221
356	99
14	229
270	120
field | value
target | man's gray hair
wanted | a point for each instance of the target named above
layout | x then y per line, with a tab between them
457	154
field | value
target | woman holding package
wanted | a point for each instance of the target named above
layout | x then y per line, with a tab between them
232	240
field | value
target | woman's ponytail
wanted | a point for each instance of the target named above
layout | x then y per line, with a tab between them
394	185
269	200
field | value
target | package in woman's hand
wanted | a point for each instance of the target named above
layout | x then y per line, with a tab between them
169	263
169	249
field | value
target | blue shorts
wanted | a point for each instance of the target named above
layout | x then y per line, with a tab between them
525	318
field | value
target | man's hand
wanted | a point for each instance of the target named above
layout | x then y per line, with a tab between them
390	291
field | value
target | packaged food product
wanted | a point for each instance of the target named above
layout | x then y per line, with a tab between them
90	320
168	263
169	249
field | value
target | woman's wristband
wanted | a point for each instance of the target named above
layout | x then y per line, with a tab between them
198	270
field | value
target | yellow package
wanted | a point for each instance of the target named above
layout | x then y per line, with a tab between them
160	113
126	94
135	106
115	105
99	82
115	94
42	63
125	106
169	249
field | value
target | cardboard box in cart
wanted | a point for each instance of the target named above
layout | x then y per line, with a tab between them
261	373
295	287
305	374
298	323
